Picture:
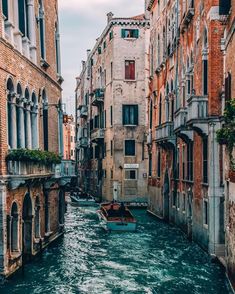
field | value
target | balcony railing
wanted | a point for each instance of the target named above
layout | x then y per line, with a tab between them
83	111
82	142
97	135
165	132
98	97
180	119
197	108
189	13
29	169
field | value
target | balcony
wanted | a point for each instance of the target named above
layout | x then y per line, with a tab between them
97	135
180	124
82	142
29	169
198	113
188	15
165	133
98	97
83	111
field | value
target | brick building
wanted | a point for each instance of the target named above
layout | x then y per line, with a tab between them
228	47
31	198
69	138
184	113
111	112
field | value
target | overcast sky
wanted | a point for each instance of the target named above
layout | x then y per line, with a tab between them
81	22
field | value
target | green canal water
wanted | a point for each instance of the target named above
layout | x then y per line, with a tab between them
155	259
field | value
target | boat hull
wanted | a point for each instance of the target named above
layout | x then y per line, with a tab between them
83	202
117	226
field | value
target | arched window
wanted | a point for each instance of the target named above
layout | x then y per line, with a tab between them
160	110
42	30
20	118
23	18
27	120
151	114
14	228
37	218
34	121
205	63
158	50
167	104
11	114
45	119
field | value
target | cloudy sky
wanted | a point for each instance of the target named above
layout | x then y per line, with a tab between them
81	22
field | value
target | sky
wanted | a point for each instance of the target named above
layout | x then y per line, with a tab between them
81	23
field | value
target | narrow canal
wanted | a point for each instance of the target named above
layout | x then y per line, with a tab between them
155	259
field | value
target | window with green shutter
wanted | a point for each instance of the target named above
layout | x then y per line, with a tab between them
110	35
99	50
130	33
129	147
5	8
130	115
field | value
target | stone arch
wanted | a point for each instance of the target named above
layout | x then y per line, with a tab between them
27	225
14	227
61	207
37	208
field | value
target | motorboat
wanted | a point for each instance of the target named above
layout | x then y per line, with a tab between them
82	199
116	217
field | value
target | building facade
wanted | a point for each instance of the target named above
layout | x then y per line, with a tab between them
228	46
31	198
184	114
69	138
111	113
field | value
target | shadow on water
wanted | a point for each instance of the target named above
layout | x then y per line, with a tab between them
155	259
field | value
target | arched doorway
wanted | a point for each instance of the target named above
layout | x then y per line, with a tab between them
61	207
166	191
27	226
14	228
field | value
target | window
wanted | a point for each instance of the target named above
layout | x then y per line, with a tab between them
99	50
130	174
5	8
130	70
45	121
150	165
159	163
160	110
228	87
224	7
111	176
183	162
205	212
205	159
129	147
111	147
111	116
130	33
42	29
110	35
190	161
72	152
130	115
205	77
104	45
57	48
23	18
72	139
111	70
177	162
184	202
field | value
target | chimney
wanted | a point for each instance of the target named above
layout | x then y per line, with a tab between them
109	17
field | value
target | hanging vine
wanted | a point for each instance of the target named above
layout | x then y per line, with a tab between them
226	135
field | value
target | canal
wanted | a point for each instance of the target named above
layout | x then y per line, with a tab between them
155	259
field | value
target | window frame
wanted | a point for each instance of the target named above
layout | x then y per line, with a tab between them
125	148
127	71
128	108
